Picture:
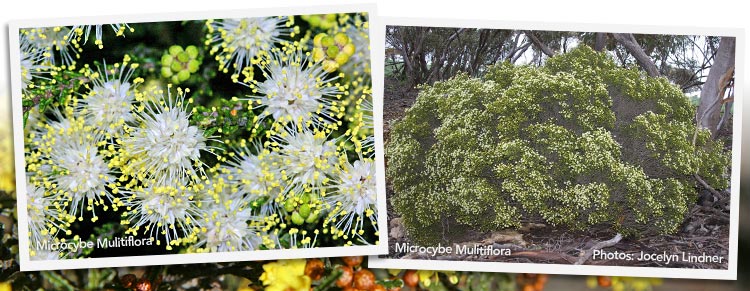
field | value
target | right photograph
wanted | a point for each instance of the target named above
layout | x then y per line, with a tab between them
585	149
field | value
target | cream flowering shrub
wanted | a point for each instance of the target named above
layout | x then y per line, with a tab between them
259	147
575	143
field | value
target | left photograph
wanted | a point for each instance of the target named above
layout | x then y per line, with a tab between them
216	139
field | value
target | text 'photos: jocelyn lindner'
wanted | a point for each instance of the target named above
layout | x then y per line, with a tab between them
563	149
209	137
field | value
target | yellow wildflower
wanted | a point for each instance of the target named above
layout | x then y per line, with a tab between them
285	275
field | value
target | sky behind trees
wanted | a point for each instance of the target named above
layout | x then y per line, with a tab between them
417	55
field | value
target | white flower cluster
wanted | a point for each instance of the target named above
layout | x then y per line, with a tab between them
134	158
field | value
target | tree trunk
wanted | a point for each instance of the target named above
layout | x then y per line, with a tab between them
628	41
601	41
440	58
708	116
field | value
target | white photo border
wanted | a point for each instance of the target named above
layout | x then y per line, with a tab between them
446	265
381	247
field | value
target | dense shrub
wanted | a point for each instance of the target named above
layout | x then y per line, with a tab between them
574	143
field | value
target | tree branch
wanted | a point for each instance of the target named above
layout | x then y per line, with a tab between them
538	43
438	64
717	194
628	41
519	53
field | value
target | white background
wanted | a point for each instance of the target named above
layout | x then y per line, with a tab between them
714	13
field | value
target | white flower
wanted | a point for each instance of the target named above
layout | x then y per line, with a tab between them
84	31
45	254
362	133
108	104
255	173
367	115
354	198
169	210
44	218
34	121
51	41
296	90
307	158
358	64
37	205
32	63
239	42
228	222
74	164
87	172
164	146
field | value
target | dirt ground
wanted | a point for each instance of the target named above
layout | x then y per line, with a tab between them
704	231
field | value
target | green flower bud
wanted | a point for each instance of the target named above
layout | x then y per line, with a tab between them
341	58
318	38
341	39
332	51
166	72
453	279
183	57
305	198
327	41
175	79
314	21
318	54
192	51
297	218
289	205
312	218
183	76
166	60
176	66
348	49
193	66
304	210
175	50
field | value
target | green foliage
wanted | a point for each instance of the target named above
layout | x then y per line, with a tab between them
228	119
60	85
575	143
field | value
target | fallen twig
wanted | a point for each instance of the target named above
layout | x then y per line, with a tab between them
720	215
717	194
722	201
541	255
